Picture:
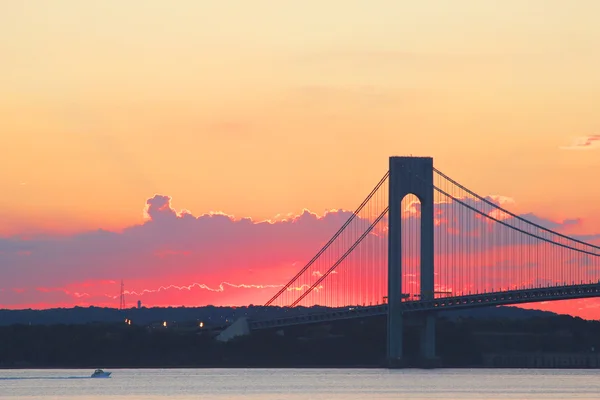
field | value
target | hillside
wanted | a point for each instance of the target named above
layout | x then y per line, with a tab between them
210	315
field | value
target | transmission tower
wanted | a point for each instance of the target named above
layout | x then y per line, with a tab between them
122	297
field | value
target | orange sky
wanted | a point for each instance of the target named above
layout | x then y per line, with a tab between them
267	107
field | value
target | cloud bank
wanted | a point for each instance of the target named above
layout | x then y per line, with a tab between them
172	258
176	258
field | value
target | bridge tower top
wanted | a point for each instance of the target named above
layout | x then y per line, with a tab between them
411	175
411	157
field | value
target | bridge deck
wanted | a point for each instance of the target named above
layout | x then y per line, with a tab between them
447	303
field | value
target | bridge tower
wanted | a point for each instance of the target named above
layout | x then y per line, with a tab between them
410	175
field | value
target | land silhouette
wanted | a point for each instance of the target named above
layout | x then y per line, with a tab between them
93	337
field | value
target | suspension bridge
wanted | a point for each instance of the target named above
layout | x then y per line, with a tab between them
421	242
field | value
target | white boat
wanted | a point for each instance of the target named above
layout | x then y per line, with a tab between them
100	374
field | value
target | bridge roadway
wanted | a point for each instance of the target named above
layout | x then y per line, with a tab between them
446	303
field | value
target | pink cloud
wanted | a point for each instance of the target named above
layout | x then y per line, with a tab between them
589	142
211	253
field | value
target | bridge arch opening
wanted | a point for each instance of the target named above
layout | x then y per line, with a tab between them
410	242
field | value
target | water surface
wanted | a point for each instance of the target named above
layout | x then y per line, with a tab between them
296	384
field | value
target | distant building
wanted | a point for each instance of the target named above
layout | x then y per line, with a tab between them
139	304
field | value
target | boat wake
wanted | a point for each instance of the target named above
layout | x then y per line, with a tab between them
28	378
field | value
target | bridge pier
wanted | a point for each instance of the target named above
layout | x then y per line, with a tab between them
394	321
395	338
427	357
410	175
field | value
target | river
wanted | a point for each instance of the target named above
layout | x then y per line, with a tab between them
297	384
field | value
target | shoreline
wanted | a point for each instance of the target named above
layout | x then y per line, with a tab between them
303	367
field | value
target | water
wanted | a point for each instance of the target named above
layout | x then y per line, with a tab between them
296	384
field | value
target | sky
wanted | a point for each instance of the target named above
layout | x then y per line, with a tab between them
243	112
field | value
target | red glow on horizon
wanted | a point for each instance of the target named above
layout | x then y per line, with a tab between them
176	259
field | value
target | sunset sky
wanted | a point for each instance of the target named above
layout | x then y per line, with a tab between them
116	115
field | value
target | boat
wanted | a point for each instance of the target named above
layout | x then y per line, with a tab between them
100	374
